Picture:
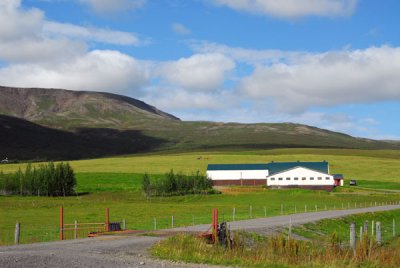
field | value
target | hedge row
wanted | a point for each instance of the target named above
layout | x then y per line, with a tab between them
176	184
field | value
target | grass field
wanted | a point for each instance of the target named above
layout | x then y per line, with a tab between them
115	183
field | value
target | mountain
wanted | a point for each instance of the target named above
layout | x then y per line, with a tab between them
71	109
54	124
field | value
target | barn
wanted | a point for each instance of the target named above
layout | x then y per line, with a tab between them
309	175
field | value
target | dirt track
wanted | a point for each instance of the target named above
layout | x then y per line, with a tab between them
131	251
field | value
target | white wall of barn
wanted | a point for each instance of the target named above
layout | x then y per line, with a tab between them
237	174
300	176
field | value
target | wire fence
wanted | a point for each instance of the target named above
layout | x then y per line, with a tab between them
49	231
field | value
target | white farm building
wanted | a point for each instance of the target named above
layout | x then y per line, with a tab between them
310	175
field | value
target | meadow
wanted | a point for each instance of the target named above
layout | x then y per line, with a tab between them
116	183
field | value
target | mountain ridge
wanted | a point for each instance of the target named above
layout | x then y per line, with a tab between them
124	125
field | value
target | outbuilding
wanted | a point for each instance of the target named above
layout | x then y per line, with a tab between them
309	175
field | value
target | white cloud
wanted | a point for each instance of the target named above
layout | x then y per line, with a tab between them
180	28
39	53
203	72
113	6
62	30
328	79
292	8
98	70
249	56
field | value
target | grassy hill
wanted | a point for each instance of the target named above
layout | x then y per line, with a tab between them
77	124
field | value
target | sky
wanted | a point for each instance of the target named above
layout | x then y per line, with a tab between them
333	64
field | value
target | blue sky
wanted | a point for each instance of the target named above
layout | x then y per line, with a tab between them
333	64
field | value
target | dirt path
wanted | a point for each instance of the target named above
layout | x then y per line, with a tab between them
131	251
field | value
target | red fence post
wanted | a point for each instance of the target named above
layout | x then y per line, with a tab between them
214	224
61	223
107	219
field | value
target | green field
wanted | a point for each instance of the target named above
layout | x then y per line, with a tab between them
115	183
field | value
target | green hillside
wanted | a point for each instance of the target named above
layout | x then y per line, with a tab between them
76	124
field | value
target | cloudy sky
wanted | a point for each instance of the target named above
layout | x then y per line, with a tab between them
333	64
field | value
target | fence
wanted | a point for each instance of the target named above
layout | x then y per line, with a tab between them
71	230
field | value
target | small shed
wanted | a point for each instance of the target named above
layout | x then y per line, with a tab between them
339	180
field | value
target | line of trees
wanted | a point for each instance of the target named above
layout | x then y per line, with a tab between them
177	184
44	180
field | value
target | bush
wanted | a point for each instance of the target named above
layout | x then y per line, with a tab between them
177	184
45	180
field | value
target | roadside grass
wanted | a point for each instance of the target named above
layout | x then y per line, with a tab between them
323	229
251	251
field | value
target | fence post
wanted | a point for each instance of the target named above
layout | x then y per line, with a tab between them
353	235
251	212
295	209
124	224
366	227
316	208
233	214
394	228
281	209
155	223
61	223
107	219
17	233
342	206
172	221
378	233
265	212
361	233
76	230
372	228
326	207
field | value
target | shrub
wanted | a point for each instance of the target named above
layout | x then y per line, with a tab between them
45	180
177	184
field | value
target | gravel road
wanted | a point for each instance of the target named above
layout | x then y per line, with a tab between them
131	251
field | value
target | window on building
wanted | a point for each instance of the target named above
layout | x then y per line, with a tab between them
288	179
303	179
296	178
312	178
272	179
327	178
319	178
280	179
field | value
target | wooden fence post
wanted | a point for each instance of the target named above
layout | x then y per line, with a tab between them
76	230
172	221
366	227
353	235
251	212
361	233
265	212
155	223
107	219
17	233
316	208
61	223
378	233
394	228
372	228
233	214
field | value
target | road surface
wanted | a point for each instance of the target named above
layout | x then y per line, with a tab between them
131	251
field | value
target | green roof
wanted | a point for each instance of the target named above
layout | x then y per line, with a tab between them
237	167
273	167
277	167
